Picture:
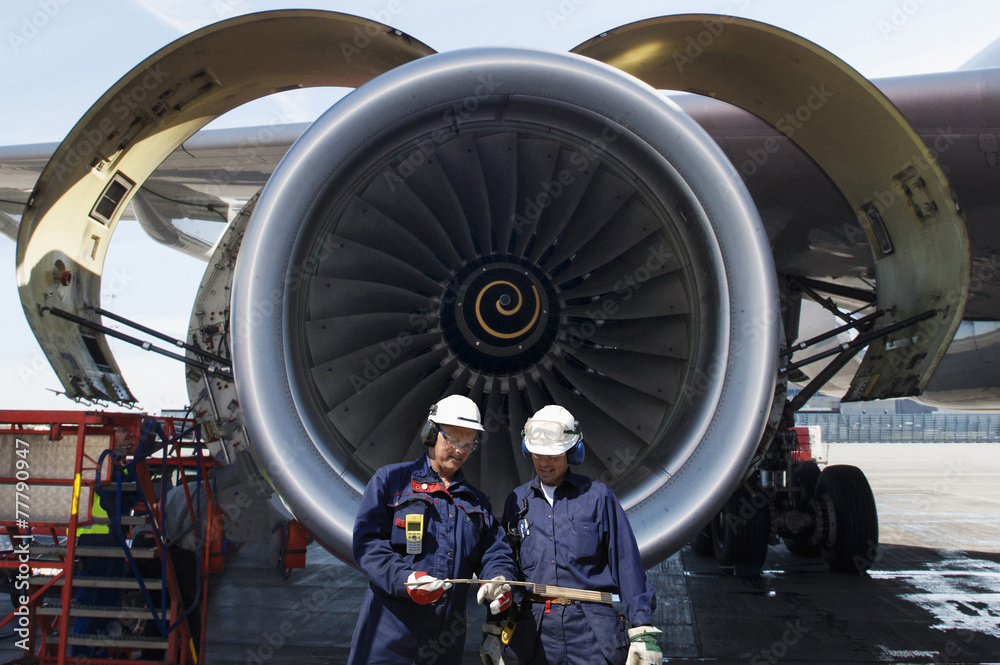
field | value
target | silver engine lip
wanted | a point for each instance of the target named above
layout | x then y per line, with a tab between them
736	396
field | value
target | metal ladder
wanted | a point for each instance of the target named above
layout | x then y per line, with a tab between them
126	619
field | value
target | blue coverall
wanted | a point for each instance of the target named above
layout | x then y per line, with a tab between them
461	537
582	541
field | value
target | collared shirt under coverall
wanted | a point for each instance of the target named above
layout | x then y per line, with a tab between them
461	537
582	541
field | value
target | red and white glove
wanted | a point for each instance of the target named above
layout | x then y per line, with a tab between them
497	591
428	590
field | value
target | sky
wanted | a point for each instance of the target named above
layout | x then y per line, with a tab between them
57	57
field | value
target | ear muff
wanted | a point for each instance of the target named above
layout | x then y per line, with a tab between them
429	433
524	446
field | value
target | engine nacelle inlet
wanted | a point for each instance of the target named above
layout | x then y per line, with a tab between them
522	227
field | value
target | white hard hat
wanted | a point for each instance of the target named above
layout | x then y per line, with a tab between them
456	410
551	431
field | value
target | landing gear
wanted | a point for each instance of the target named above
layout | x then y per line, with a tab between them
829	513
847	521
799	540
742	529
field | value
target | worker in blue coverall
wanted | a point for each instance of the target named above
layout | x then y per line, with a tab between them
420	523
572	532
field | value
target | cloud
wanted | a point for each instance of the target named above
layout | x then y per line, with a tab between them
188	15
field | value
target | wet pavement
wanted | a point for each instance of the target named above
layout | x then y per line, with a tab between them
916	605
932	596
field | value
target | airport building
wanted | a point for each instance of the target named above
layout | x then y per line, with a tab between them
903	420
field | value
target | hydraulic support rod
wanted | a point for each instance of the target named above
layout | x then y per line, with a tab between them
93	325
166	338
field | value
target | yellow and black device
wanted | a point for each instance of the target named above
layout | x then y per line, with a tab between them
414	534
508	631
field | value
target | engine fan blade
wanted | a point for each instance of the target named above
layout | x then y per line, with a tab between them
657	376
348	259
661	296
366	225
459	159
498	158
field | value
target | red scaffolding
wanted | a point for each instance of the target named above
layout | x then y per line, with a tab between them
60	470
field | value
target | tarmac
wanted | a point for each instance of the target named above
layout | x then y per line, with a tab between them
932	595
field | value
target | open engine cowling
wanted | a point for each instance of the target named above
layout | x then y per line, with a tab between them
522	227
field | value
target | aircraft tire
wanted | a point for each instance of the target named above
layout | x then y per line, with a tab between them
848	519
741	531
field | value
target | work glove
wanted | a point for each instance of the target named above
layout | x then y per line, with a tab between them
491	650
428	590
497	591
643	649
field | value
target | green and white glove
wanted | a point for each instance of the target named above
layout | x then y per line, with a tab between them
644	649
491	650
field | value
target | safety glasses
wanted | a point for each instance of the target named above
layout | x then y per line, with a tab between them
548	431
460	445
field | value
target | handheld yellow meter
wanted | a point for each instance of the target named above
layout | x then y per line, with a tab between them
508	632
414	533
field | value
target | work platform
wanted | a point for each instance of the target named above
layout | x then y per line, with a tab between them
95	509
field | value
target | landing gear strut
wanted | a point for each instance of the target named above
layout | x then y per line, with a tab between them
787	497
829	513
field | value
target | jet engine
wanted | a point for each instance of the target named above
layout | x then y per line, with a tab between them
524	228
